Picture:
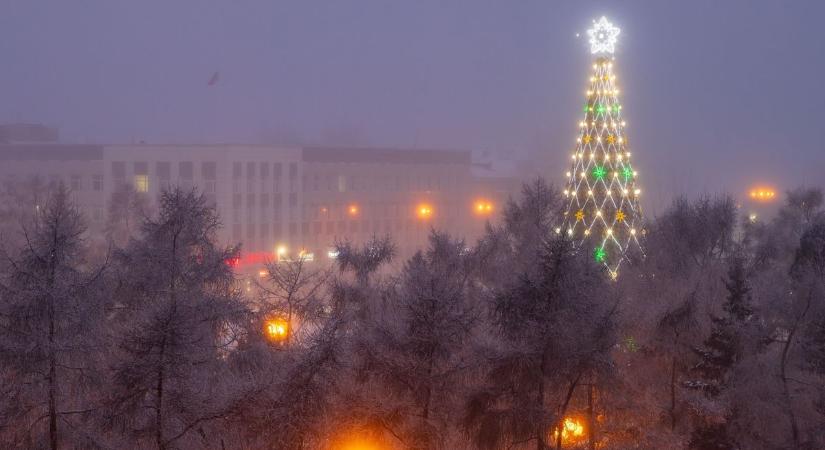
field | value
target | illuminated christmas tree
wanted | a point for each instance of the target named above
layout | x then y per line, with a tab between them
603	214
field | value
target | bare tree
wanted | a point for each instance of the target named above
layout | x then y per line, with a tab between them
414	350
291	290
127	211
48	318
177	304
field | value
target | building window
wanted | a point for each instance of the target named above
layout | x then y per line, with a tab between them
293	200
186	170
342	183
250	169
209	170
97	182
264	170
293	170
142	183
118	169
277	232
164	171
75	182
237	170
141	168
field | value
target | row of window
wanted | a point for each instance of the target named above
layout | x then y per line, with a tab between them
377	183
330	229
262	170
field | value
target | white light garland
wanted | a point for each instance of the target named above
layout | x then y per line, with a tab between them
603	36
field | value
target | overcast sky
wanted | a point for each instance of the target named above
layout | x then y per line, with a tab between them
718	95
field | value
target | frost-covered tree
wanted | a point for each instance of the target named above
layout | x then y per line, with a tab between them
721	351
176	306
49	316
415	347
127	211
551	311
291	291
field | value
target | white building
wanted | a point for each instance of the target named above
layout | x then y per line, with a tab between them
268	197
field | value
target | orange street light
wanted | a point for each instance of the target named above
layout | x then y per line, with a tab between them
572	430
424	211
277	330
483	207
762	194
352	210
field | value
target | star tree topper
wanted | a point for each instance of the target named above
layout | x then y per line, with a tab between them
603	36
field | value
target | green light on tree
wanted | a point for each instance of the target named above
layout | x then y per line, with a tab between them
586	107
600	108
599	172
616	108
599	254
627	173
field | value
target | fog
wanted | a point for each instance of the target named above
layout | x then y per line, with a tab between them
719	95
355	225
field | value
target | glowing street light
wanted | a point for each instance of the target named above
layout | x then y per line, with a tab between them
762	194
277	330
424	211
353	210
572	431
483	207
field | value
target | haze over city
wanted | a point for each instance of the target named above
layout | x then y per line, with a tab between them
719	95
412	225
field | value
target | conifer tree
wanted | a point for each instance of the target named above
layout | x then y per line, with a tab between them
721	351
603	215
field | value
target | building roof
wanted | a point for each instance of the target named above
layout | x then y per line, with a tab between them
384	156
50	152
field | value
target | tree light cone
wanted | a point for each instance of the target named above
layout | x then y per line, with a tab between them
603	216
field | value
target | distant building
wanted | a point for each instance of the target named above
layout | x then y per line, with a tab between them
26	132
269	198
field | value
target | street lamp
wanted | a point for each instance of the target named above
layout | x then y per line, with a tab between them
277	330
483	207
424	211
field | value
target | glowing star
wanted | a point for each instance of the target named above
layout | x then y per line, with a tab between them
611	139
603	36
586	139
620	216
579	215
599	172
599	254
627	173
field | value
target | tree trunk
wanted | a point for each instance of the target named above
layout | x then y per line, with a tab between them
560	425
159	401
591	425
783	363
53	441
673	393
52	386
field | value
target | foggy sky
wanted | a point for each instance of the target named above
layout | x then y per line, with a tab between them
718	95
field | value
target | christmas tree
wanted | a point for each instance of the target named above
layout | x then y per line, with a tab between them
603	214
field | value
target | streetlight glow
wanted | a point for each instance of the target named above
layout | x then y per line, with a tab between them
424	211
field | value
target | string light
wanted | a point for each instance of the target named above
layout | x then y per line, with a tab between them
601	157
603	36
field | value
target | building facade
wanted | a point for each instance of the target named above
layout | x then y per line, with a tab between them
275	201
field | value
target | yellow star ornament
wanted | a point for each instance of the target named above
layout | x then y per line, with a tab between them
619	216
611	139
579	215
586	139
